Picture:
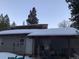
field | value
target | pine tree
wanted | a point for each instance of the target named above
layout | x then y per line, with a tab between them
74	8
23	23
32	19
1	18
7	21
4	22
13	24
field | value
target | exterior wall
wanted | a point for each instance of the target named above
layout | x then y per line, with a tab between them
74	44
32	26
63	47
51	47
56	42
15	44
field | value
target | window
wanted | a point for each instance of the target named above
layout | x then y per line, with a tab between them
21	41
2	43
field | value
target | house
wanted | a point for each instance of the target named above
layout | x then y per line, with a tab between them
44	43
15	40
56	43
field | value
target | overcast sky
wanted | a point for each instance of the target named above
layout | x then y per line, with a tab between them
49	12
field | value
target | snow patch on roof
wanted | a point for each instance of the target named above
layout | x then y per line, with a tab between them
56	32
17	31
42	32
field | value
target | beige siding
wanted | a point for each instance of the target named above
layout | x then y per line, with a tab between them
12	44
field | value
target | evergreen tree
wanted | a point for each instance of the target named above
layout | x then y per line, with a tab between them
32	19
1	18
23	23
4	22
13	24
7	21
74	8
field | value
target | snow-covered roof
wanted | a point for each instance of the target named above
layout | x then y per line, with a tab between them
42	32
56	32
17	31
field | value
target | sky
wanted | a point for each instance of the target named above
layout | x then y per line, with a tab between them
50	12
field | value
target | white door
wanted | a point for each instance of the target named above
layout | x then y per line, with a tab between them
29	46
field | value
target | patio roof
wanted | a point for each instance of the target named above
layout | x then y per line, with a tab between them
56	32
